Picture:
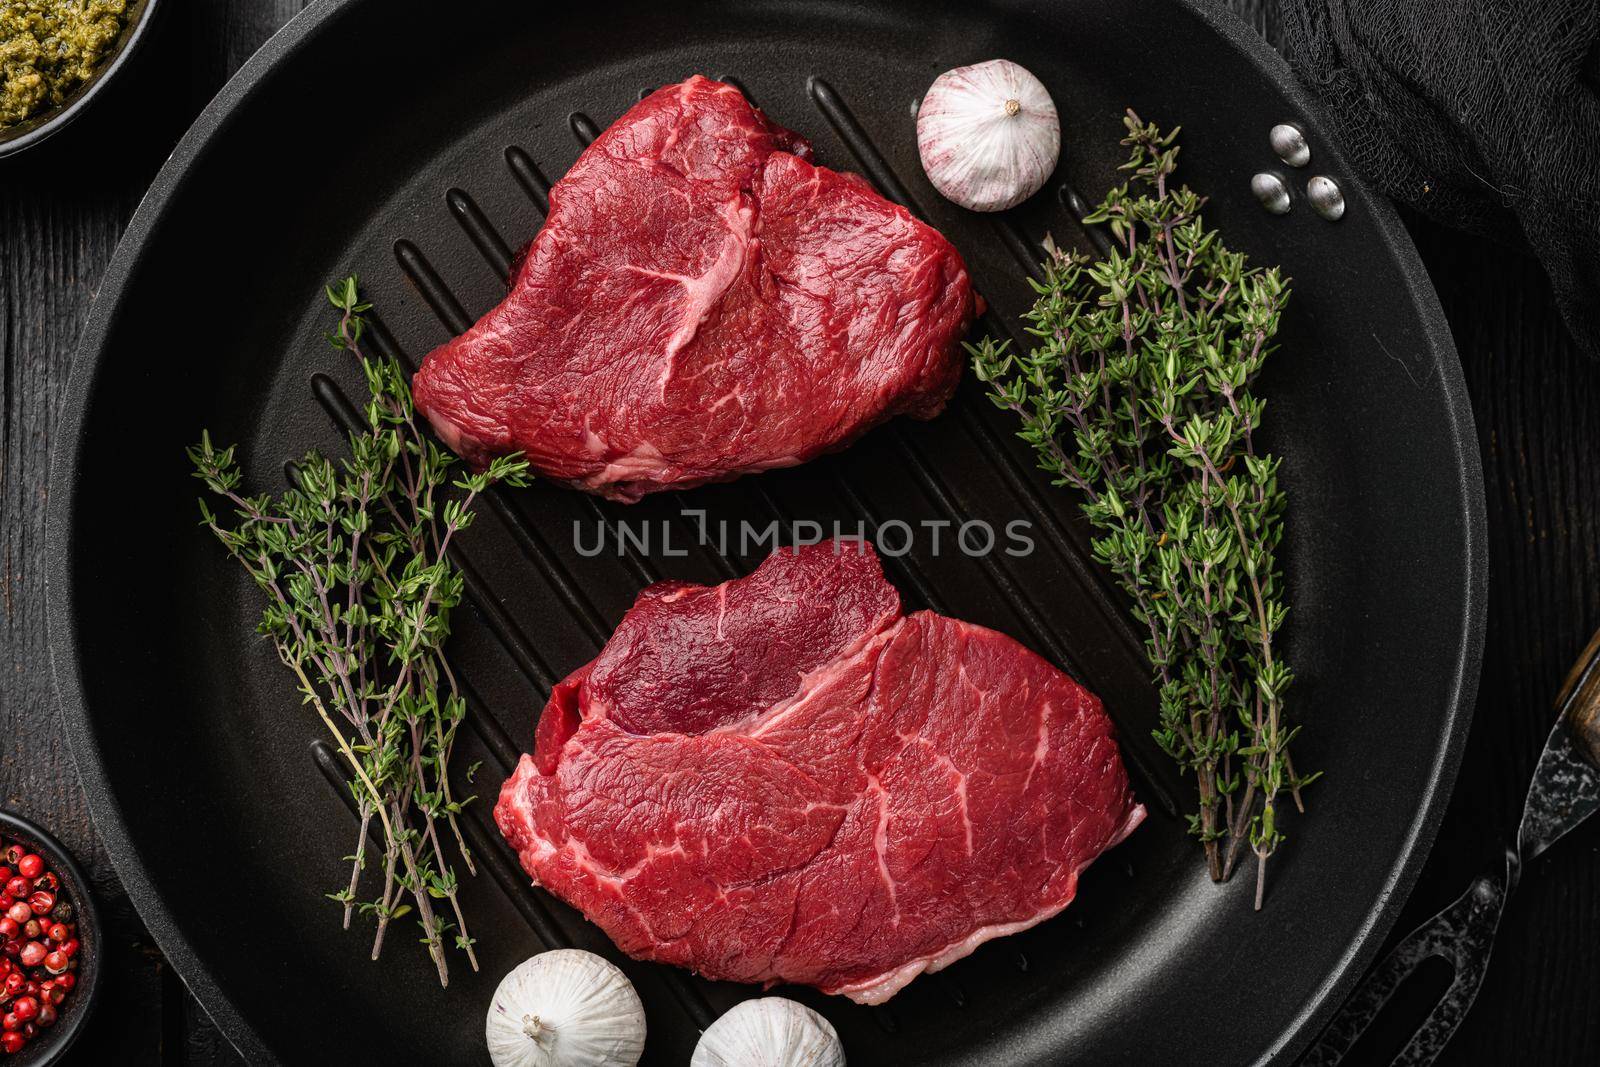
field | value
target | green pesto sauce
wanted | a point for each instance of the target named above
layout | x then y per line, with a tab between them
48	48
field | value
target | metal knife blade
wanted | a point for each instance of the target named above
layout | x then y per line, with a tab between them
1566	782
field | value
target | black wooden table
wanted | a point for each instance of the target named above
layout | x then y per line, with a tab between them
1537	403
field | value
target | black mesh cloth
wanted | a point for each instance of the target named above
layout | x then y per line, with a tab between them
1481	114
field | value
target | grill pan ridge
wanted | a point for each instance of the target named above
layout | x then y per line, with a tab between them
434	239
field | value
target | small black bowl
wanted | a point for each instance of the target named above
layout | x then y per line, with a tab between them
49	1046
25	135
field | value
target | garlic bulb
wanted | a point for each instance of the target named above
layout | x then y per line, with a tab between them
769	1032
565	1008
988	135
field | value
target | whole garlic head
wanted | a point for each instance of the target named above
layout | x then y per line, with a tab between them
565	1008
988	135
769	1032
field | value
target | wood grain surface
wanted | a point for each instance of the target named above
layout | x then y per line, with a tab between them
1536	400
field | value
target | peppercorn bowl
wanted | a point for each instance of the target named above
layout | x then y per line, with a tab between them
32	131
49	967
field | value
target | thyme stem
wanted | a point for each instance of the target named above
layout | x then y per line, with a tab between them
354	559
1137	393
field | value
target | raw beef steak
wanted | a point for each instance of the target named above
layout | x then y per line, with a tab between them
702	302
784	779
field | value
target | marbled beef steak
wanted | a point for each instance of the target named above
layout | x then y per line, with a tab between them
703	302
784	779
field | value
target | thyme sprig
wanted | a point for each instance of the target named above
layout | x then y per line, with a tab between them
354	561
1137	393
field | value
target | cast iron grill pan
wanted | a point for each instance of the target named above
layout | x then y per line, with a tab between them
371	137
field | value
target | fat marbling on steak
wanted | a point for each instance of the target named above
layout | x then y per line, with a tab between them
784	779
703	302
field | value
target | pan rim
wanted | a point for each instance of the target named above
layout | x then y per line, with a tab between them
221	113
